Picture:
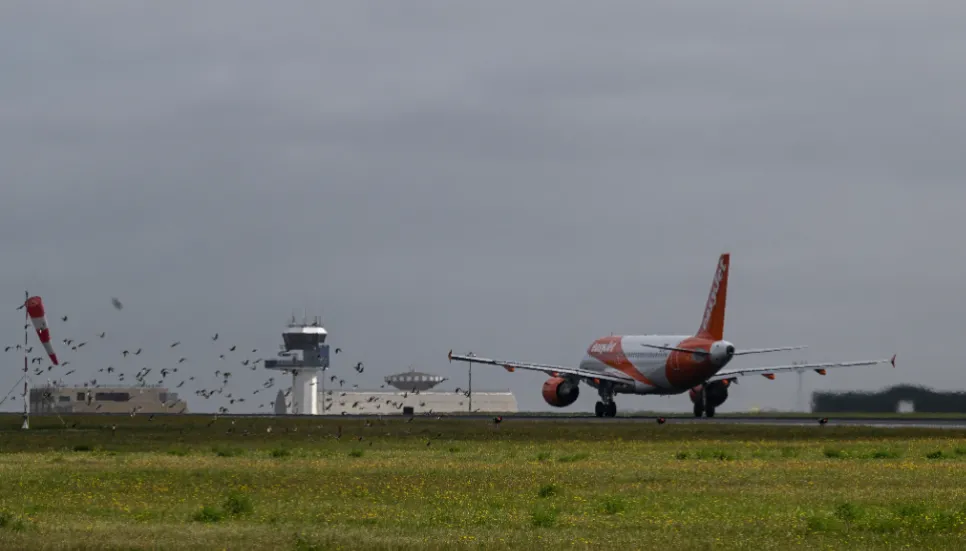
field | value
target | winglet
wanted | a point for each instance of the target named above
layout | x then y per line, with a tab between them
893	361
450	356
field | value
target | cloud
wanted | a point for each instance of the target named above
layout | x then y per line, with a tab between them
513	179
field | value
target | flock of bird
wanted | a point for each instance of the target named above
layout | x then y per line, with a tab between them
208	378
207	383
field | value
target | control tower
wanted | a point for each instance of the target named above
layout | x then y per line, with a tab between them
309	340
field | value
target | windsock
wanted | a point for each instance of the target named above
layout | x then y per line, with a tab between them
35	309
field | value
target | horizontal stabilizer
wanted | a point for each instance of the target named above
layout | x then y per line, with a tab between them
737	352
763	350
676	349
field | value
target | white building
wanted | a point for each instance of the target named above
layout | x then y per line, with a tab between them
382	402
58	398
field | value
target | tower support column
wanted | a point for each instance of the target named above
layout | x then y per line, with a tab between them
305	396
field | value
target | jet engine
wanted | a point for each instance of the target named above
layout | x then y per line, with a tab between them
560	392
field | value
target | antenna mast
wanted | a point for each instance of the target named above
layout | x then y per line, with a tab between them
26	377
802	406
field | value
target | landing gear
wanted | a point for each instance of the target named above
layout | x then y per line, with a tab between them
701	406
602	409
606	407
699	411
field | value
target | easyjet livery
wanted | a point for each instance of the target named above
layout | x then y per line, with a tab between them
662	364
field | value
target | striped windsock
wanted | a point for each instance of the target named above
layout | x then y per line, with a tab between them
35	309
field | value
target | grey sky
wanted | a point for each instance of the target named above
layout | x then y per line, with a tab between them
513	179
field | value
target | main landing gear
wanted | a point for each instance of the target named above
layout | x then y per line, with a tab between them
707	411
701	405
606	407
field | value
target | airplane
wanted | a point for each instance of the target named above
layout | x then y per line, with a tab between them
662	364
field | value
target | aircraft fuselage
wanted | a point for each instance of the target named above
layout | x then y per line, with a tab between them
654	371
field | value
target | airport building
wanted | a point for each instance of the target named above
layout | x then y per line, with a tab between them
393	403
56	398
305	355
412	394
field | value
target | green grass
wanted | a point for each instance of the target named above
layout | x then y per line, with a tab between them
195	482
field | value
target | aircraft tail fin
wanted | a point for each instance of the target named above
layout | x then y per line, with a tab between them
712	324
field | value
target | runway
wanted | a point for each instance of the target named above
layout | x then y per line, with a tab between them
881	422
898	421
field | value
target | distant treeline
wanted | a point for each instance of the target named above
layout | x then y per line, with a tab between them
923	399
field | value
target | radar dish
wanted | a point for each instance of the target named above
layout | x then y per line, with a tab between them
414	380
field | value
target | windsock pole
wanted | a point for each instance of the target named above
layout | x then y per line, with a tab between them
26	378
37	315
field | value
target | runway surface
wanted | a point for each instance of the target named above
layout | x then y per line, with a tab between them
883	422
958	423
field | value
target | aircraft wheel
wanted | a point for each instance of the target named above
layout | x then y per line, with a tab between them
698	410
612	409
599	409
710	412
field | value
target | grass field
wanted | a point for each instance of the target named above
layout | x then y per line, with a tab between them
195	482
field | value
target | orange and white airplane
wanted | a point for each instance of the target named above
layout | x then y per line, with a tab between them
662	364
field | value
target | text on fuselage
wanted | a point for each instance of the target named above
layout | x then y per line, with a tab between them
602	347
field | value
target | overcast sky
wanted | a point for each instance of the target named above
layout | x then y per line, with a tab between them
515	179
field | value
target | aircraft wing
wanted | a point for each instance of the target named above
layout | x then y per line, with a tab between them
552	370
769	372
